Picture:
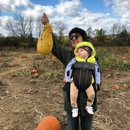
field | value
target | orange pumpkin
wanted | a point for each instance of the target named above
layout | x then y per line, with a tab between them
35	71
49	123
36	74
116	87
10	65
53	58
64	80
123	58
23	56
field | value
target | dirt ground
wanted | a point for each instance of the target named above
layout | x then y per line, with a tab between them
26	99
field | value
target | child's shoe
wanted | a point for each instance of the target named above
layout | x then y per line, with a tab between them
89	109
74	112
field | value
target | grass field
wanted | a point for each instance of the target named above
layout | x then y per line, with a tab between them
26	98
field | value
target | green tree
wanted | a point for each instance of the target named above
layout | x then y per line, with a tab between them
100	36
123	37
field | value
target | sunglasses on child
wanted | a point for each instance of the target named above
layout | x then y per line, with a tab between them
74	36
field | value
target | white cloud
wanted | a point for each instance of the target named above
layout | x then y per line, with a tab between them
4	20
107	2
72	13
69	8
121	7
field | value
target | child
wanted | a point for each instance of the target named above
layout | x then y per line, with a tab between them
79	73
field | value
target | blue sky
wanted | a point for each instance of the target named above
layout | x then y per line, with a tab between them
93	5
46	2
96	14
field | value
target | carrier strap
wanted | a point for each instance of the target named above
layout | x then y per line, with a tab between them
84	65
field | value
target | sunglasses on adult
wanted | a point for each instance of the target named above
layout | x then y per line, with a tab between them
74	36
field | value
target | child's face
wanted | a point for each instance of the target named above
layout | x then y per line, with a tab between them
81	53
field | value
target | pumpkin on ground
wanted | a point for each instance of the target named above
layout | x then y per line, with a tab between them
123	58
116	87
53	58
23	56
64	80
36	74
35	71
49	123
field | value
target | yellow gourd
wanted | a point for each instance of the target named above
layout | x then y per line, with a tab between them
45	41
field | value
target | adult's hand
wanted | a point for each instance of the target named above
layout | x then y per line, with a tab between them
44	19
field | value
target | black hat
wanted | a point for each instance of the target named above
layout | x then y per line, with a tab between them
81	31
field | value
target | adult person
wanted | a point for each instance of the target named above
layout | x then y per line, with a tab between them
76	35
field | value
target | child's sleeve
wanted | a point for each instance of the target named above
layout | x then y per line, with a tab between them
97	75
68	71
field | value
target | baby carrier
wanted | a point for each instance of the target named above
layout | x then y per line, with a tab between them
82	74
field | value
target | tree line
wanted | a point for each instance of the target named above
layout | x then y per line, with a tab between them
21	29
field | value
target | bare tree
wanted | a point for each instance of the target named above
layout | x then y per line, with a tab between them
20	26
117	28
0	18
60	27
113	29
30	29
128	30
38	28
90	32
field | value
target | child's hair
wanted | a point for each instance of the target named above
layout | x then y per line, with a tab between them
87	49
